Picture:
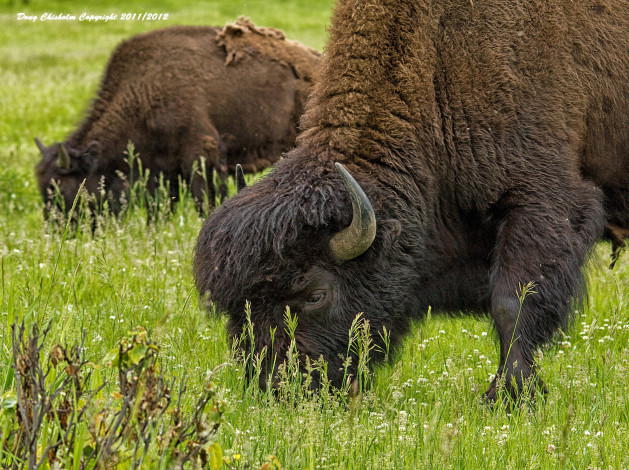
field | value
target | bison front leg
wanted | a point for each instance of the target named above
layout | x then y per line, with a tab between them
542	242
202	172
516	370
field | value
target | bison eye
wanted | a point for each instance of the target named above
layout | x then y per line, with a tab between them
315	299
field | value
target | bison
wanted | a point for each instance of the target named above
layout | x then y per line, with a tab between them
231	94
480	146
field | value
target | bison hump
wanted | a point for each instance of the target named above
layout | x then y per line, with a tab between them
243	39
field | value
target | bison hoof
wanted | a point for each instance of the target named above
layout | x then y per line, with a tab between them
516	394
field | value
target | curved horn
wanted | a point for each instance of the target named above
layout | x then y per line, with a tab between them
42	148
358	237
63	160
240	178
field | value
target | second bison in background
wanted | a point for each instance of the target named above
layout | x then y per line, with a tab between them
231	95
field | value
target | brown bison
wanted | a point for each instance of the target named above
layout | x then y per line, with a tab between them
232	94
489	142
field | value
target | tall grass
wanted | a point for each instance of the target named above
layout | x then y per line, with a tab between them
422	408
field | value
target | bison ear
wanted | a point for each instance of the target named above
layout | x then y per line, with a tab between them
391	230
42	148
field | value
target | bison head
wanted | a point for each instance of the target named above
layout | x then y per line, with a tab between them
62	170
306	237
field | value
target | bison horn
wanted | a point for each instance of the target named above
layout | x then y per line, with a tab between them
358	237
240	178
63	159
42	148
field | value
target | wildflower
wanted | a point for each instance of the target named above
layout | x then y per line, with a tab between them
551	448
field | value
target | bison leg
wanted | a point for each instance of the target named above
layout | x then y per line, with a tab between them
617	235
222	172
202	179
516	368
616	204
542	244
202	189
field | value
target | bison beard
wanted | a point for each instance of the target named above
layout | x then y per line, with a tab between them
492	141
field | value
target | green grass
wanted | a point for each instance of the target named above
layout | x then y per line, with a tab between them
424	408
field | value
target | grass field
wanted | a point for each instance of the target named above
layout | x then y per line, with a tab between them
424	408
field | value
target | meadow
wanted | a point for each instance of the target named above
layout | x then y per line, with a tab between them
423	408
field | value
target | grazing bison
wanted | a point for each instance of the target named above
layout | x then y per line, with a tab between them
232	94
489	142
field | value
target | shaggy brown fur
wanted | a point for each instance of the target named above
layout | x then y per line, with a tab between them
231	95
492	138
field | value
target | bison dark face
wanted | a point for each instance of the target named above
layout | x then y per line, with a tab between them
306	238
62	170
